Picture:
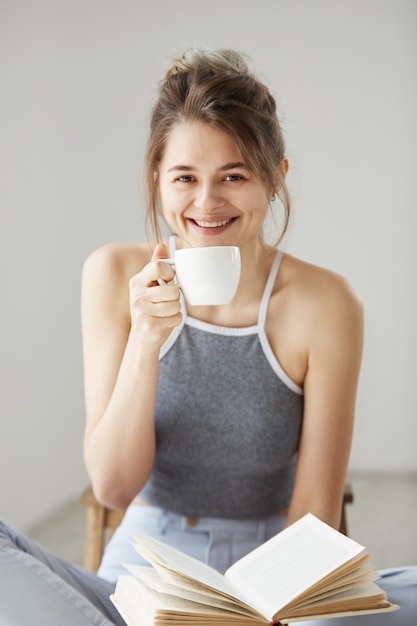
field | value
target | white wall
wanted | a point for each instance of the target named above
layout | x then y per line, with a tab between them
77	82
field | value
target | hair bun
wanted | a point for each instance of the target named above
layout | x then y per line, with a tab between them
225	60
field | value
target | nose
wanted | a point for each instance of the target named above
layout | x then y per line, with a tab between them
208	197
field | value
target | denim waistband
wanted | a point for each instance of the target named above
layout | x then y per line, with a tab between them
259	529
216	541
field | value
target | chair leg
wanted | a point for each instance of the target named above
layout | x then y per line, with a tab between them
94	544
343	523
347	499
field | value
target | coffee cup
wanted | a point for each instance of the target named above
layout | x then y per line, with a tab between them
209	275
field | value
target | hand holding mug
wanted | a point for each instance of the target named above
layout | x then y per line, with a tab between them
154	312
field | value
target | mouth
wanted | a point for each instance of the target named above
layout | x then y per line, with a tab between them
213	224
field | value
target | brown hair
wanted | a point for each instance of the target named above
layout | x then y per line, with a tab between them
217	88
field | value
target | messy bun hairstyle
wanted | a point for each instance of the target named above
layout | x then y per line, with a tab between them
217	88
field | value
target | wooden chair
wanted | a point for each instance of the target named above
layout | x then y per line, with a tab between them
102	522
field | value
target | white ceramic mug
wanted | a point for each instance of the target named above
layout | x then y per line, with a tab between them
209	275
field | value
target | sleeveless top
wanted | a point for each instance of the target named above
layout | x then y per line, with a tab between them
228	421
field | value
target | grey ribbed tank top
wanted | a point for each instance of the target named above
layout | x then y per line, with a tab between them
228	421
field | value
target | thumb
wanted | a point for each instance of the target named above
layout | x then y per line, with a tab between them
160	252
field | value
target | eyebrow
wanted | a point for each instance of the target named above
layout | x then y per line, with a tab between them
228	166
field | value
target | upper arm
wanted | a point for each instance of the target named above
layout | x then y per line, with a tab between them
333	363
105	327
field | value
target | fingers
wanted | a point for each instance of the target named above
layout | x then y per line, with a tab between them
158	271
164	271
154	305
155	309
158	268
163	295
160	252
145	287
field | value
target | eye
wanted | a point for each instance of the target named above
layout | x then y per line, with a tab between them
185	179
234	177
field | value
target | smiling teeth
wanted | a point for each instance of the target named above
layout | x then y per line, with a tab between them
211	224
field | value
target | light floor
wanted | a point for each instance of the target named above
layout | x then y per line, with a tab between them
383	517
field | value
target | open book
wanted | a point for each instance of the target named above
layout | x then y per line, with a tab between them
309	570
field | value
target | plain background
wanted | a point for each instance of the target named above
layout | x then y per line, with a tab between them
78	79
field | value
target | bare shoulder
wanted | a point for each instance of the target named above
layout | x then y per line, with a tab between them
315	303
314	313
326	308
117	260
105	281
318	289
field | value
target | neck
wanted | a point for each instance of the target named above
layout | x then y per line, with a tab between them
255	265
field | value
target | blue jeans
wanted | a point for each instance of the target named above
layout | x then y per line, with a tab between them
217	542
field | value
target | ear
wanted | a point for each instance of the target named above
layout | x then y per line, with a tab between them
281	174
283	167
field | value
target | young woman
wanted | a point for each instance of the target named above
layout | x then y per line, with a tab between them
216	426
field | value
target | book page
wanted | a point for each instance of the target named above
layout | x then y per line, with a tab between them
188	590
367	596
291	562
363	574
135	599
165	557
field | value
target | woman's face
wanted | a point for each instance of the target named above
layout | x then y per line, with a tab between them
208	196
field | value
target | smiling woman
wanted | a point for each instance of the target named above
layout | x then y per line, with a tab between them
215	199
236	416
197	91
